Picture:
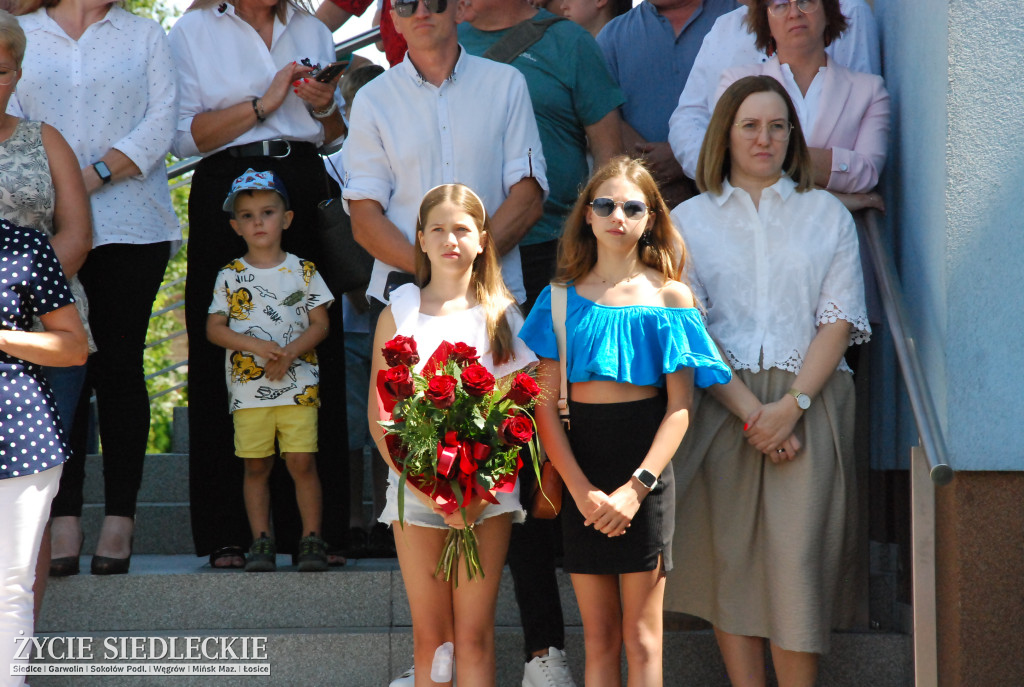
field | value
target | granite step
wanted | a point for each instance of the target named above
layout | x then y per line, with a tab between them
351	626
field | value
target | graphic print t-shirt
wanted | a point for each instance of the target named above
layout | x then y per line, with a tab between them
272	304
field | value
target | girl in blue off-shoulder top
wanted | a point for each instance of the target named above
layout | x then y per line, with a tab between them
636	345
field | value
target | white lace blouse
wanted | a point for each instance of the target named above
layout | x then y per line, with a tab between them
768	276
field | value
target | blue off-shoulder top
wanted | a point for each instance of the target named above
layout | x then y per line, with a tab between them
638	344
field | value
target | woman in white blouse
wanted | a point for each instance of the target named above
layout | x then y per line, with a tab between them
248	100
104	78
765	531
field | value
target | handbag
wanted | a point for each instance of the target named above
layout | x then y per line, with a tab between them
345	265
547	499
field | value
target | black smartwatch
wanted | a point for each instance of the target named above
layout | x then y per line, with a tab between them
103	172
646	478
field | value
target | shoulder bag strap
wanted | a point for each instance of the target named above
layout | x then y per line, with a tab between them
519	39
559	305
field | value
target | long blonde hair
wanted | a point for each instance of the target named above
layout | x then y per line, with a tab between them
488	286
660	248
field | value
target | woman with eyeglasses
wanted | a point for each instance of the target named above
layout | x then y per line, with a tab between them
635	348
766	529
249	100
845	114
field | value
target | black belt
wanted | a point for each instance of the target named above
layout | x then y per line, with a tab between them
276	147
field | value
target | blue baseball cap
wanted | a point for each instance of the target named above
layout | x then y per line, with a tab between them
252	180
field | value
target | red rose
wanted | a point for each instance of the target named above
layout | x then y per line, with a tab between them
463	354
401	350
524	389
476	380
516	430
398	382
441	391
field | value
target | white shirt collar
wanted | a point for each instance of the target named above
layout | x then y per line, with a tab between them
783	188
115	16
413	73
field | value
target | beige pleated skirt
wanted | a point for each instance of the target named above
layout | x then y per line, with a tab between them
764	549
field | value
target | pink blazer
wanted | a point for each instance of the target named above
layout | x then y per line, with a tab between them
853	121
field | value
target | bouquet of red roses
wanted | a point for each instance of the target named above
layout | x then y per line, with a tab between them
454	432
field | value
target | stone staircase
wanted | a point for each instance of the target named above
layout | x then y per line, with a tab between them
349	627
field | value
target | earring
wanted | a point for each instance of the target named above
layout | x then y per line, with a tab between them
771	47
645	239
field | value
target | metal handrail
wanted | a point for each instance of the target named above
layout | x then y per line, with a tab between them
360	40
928	427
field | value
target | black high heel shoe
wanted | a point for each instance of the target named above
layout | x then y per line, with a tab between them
105	565
66	566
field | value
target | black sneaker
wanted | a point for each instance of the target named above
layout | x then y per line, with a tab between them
312	554
262	555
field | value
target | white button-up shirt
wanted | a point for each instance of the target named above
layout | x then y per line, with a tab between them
768	276
222	61
112	88
730	44
408	136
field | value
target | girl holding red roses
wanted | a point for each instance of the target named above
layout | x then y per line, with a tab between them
635	347
460	297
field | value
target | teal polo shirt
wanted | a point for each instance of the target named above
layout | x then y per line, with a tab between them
571	88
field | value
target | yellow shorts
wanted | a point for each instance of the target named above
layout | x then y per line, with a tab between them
294	427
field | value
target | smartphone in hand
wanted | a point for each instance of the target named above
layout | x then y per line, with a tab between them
327	74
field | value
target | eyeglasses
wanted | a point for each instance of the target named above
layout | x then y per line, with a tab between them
778	130
780	8
632	209
7	74
407	8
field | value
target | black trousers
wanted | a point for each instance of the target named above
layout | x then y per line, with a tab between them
215	474
535	544
121	281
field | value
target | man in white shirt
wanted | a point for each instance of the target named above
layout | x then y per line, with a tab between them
730	44
441	116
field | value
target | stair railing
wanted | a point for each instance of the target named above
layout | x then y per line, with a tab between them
929	460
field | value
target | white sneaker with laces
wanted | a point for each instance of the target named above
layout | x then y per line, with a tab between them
406	679
548	671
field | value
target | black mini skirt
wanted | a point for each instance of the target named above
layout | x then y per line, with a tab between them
609	441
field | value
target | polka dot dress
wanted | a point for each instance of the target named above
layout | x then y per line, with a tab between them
31	283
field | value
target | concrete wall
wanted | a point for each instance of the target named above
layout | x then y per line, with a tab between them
955	184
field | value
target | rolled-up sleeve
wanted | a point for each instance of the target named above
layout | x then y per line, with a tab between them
368	171
856	169
524	156
148	142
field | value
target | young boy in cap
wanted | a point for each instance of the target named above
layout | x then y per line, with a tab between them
269	311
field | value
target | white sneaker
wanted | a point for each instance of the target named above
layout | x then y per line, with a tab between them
406	679
548	671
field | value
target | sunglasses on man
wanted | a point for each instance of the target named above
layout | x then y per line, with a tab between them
407	8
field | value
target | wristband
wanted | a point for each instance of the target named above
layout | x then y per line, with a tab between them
257	108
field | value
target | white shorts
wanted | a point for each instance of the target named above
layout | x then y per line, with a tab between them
416	513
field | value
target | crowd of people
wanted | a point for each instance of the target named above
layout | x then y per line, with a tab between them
647	207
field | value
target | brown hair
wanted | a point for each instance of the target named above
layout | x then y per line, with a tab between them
662	248
757	22
358	78
714	163
489	288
